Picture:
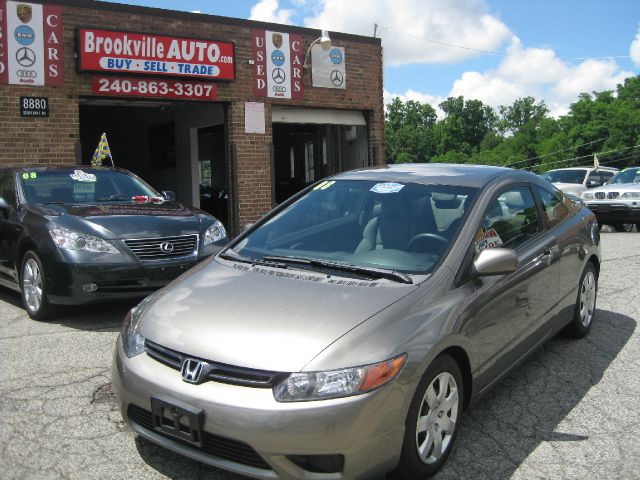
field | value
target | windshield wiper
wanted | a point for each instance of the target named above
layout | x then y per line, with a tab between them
345	267
234	257
115	196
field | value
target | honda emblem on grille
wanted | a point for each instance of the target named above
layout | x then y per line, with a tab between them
166	247
191	370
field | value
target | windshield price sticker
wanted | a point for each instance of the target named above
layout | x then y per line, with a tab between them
324	185
488	239
388	187
81	176
29	176
140	87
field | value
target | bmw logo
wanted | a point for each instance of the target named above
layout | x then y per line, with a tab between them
24	35
336	56
277	58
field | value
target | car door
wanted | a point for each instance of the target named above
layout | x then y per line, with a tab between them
10	227
510	312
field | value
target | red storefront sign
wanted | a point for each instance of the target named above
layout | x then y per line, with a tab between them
148	54
160	88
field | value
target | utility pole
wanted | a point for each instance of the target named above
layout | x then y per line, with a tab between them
375	30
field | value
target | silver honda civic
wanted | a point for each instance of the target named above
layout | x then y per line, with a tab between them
343	335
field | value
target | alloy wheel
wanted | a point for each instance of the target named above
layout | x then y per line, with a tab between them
32	285
587	298
437	418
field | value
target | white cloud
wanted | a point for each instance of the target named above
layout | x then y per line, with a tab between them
416	96
404	26
270	11
634	50
541	74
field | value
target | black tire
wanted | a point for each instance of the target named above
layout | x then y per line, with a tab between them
585	304
32	277
411	464
623	227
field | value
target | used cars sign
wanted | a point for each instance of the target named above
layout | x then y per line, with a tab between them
126	52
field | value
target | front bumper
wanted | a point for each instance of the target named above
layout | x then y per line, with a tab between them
367	430
619	212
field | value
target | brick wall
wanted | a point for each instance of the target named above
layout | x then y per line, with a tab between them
55	139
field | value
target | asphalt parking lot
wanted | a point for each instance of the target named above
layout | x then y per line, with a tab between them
571	411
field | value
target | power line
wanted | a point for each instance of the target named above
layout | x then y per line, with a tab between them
585	156
559	151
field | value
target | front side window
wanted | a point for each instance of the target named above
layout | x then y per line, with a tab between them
8	188
554	208
82	186
629	175
511	220
404	227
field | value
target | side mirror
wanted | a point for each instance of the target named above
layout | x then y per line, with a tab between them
3	204
169	195
593	183
495	261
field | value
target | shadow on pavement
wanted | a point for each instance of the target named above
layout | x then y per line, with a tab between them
500	431
105	317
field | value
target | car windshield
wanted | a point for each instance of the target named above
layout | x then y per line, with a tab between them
630	175
399	227
565	176
85	185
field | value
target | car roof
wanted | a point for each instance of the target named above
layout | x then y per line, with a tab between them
53	168
474	176
590	167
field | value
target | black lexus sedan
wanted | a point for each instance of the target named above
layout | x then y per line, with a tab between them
71	235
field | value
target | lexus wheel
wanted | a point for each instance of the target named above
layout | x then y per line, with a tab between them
585	308
433	420
32	285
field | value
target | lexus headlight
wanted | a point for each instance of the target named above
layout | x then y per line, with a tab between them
633	195
214	233
132	341
305	386
587	196
71	240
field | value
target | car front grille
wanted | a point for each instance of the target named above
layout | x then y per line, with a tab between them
219	372
215	445
613	195
163	247
601	195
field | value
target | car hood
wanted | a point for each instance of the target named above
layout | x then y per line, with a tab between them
261	317
118	220
618	187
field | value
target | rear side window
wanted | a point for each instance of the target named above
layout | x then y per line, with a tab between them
511	219
554	208
8	188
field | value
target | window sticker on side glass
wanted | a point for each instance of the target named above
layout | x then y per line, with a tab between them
81	176
488	239
388	187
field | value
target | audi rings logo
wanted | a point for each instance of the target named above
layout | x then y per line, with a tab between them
166	247
27	73
278	75
336	78
25	57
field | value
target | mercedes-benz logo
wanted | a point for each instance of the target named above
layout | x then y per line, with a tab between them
336	78
166	247
25	57
278	75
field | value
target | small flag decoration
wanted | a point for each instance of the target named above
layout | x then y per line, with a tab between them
102	152
596	162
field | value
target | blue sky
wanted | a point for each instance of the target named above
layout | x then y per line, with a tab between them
549	49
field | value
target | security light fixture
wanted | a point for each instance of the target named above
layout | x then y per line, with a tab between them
325	43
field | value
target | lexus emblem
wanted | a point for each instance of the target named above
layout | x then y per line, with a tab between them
191	370
336	78
25	57
278	75
166	247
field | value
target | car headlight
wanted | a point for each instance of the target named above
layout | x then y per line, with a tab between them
587	196
634	195
214	233
305	386
71	240
132	341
